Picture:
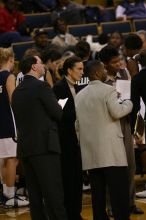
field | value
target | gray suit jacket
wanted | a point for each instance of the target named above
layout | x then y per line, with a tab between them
100	136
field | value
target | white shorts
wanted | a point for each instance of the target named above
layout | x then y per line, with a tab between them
7	148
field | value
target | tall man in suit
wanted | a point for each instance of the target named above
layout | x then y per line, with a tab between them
37	113
70	157
101	140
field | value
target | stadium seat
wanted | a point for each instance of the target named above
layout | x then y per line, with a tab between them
83	29
20	48
38	20
139	24
120	26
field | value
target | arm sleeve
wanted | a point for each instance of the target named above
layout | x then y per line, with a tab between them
50	103
120	11
116	109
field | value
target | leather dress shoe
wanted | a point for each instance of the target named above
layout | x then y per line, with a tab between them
136	210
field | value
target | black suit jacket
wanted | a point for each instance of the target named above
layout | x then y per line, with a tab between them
68	137
36	112
138	89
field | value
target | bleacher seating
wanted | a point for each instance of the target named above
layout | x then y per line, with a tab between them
38	20
20	48
139	24
120	26
83	29
109	14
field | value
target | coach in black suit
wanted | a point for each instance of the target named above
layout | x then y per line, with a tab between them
70	157
37	113
138	85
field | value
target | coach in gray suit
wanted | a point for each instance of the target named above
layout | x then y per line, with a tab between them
101	140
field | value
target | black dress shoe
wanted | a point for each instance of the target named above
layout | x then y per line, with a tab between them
136	210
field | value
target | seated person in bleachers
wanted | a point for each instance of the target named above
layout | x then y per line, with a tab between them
131	9
102	41
116	40
12	23
41	41
71	11
63	39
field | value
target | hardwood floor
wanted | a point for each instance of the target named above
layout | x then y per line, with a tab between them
23	213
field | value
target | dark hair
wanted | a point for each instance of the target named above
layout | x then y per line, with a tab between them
51	54
82	49
133	42
92	67
55	23
103	38
26	64
142	58
107	53
70	63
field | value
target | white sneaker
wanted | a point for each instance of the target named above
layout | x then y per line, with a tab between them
15	202
86	187
141	194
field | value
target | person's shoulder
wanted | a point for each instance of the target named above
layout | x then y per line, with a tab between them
60	83
5	74
137	77
107	86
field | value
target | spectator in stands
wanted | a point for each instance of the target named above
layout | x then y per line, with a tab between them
142	35
132	46
52	59
63	39
131	9
71	11
102	41
40	37
12	22
116	40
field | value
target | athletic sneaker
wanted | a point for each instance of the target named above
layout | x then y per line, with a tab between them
14	202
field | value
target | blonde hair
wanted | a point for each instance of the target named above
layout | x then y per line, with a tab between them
5	54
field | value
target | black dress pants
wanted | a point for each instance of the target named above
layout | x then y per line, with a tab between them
44	184
116	179
72	183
